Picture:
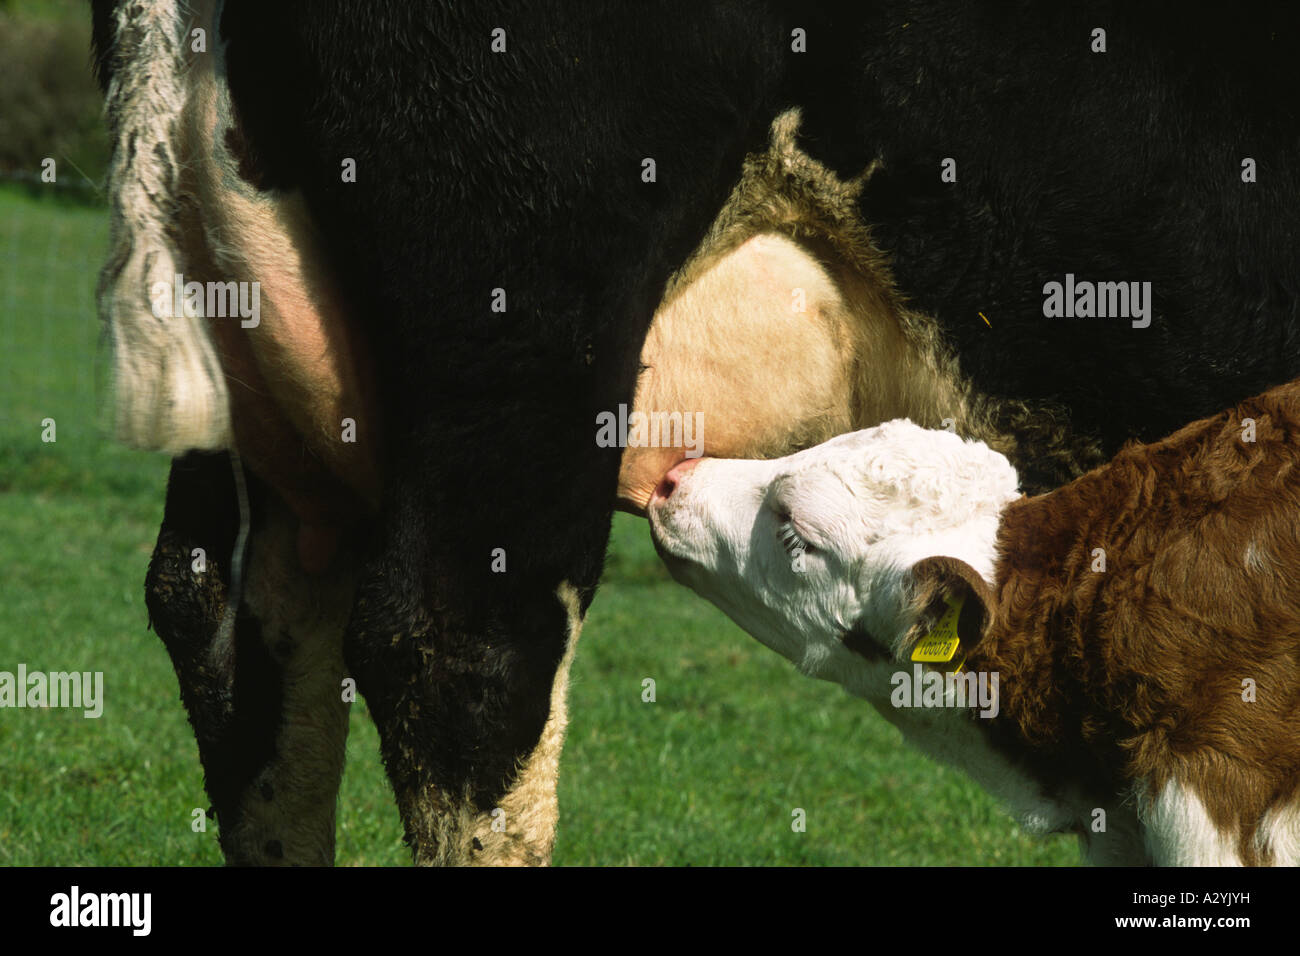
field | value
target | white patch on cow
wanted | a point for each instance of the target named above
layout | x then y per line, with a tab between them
170	392
1179	831
531	807
459	833
1278	835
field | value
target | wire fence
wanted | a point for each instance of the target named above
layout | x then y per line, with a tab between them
50	254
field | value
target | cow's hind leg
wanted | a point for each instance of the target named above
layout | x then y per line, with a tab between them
265	700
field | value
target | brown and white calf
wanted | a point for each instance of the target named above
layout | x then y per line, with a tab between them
1119	658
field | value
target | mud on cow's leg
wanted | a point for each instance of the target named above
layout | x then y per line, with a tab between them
265	701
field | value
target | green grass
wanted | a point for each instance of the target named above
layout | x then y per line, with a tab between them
707	774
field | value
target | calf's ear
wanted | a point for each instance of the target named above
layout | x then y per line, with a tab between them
940	583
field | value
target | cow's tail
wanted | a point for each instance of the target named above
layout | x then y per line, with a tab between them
170	394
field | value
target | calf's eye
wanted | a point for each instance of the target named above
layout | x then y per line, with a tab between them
791	540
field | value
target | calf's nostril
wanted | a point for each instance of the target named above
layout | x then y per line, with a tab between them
669	482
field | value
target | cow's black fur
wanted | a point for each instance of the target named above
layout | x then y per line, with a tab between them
522	170
1117	165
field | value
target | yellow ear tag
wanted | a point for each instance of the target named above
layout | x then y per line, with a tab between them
942	643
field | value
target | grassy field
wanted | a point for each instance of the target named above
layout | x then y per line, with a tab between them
707	774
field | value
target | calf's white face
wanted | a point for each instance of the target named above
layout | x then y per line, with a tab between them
801	550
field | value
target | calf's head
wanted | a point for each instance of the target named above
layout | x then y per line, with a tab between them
817	552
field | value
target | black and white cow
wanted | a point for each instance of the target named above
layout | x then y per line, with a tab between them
461	220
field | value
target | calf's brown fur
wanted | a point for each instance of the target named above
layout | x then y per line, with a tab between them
1180	661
